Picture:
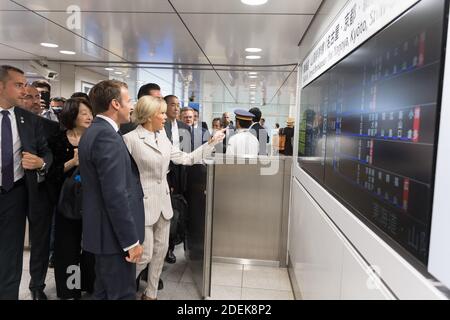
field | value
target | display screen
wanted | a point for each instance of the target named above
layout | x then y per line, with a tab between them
368	127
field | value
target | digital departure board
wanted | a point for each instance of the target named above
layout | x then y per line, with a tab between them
368	127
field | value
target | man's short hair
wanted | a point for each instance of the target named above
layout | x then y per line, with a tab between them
103	93
42	84
168	97
244	124
146	88
4	72
184	109
257	114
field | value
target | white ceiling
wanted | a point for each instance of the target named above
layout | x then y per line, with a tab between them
166	34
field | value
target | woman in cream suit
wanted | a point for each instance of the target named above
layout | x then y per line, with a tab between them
152	152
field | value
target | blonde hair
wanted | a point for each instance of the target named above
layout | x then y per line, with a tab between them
147	107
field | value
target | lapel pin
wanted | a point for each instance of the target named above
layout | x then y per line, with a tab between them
21	120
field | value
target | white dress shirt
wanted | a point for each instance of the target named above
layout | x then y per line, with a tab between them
17	146
110	121
116	128
175	134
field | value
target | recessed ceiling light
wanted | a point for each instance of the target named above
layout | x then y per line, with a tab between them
253	73
118	72
109	69
254	2
252	57
253	77
67	52
253	50
49	45
31	73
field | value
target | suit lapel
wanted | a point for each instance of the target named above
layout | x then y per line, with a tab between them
168	127
149	138
22	128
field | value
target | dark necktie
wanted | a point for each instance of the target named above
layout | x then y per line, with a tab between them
7	152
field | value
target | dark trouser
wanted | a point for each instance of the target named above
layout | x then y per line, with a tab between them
13	211
115	278
68	253
52	235
40	220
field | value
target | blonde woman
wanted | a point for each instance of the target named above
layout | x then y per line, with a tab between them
152	152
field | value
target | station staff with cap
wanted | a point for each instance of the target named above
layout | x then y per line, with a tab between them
243	143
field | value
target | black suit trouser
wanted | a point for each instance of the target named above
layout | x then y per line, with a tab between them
40	222
68	253
115	278
13	212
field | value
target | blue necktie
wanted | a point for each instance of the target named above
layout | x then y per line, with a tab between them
7	153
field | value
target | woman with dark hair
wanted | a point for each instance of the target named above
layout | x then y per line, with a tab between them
80	95
75	118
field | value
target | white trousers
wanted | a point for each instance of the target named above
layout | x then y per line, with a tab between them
155	245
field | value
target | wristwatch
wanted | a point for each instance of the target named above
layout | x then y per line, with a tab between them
42	169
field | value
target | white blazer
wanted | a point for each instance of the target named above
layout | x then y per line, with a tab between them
153	157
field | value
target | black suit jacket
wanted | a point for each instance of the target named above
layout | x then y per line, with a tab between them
33	139
205	125
184	132
176	177
51	130
113	208
127	127
263	137
199	137
228	134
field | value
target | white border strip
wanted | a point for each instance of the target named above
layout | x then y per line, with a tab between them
356	22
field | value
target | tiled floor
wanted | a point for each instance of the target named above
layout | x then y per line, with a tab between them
243	282
229	282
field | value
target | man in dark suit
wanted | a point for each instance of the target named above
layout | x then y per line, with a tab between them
179	134
113	208
25	159
227	124
40	215
196	118
199	135
149	89
259	132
